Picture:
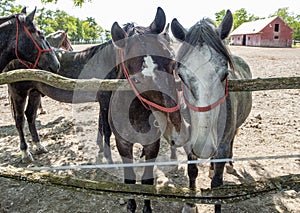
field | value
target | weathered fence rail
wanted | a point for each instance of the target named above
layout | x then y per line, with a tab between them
223	194
108	85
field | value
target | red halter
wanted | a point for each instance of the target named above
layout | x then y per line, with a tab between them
144	101
209	107
40	51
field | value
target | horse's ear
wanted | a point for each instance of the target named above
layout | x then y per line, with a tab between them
178	30
118	35
23	10
158	25
30	17
66	31
226	25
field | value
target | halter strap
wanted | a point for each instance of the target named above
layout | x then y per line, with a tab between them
209	107
146	103
40	51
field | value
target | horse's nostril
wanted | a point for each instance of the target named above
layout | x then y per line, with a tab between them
155	123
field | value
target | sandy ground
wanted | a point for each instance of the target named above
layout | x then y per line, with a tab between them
273	128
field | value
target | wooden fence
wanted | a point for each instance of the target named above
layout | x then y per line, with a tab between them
121	84
220	195
223	194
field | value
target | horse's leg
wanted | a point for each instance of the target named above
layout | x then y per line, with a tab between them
34	102
229	168
217	180
211	170
104	127
173	153
100	131
151	152
42	111
193	174
126	152
18	101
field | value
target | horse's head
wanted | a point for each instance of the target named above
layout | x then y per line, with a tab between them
30	45
60	39
147	61
203	68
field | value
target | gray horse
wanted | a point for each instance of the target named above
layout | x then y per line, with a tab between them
204	66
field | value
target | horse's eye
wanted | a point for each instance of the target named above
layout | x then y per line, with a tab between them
41	35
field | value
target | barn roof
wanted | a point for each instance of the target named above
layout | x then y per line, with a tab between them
252	27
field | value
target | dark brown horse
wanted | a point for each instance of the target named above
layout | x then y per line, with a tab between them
147	61
205	65
22	41
60	40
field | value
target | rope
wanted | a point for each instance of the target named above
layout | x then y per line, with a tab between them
169	163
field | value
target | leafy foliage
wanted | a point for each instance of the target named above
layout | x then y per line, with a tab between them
291	19
240	16
76	2
79	31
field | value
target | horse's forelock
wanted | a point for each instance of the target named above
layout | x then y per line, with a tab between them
205	32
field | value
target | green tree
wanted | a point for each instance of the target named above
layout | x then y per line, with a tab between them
239	17
291	19
76	2
219	16
8	7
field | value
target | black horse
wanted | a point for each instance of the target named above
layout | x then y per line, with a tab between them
22	41
204	66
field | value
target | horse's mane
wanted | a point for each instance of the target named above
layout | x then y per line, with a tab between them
204	32
55	33
131	29
5	19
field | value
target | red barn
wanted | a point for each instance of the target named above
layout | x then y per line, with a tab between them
270	32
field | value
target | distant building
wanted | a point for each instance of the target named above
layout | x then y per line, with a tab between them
270	32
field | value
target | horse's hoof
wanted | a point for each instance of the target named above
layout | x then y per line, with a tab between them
189	208
211	173
40	148
27	157
230	169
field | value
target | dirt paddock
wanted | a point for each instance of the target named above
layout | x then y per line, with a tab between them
273	128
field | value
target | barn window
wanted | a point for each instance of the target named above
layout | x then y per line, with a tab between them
276	29
276	37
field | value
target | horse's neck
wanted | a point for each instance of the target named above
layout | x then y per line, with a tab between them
89	63
54	42
7	41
